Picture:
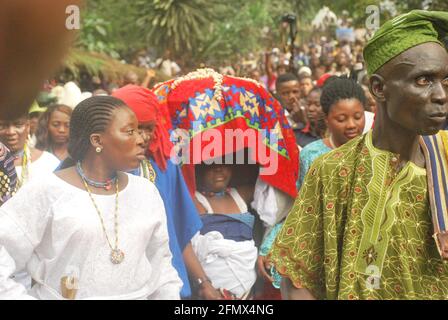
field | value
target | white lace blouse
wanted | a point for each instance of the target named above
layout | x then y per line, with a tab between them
52	229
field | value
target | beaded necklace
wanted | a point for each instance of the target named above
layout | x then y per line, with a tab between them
105	185
218	194
26	162
116	255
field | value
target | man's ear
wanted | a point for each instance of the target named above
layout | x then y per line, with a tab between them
95	140
377	86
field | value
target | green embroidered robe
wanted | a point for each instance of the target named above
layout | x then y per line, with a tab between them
360	229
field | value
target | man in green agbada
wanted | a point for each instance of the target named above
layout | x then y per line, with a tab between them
361	226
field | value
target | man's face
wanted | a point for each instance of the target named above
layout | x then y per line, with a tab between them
131	78
281	70
34	121
306	85
314	62
314	108
342	59
416	88
14	133
289	93
319	72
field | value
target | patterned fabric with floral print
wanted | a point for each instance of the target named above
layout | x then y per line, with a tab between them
361	229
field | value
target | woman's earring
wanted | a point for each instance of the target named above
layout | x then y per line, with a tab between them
98	149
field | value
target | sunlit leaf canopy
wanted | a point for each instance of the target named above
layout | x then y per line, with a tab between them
212	31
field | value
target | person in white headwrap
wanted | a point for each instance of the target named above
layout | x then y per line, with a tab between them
72	95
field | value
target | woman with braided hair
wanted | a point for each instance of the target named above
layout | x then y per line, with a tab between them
182	217
342	104
85	232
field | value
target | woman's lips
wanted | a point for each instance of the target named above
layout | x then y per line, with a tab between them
351	135
61	138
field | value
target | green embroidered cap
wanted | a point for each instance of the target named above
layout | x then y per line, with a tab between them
403	32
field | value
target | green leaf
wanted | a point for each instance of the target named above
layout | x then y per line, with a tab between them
101	30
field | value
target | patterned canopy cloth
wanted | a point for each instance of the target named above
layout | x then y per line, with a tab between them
8	176
205	100
361	229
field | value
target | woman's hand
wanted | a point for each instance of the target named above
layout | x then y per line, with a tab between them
264	268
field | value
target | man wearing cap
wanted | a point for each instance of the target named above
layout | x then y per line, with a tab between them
370	220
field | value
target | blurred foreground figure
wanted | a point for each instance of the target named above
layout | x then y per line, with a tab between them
33	39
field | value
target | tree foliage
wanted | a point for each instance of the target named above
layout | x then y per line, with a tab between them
177	25
208	30
245	27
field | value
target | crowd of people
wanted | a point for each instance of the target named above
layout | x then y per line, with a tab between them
97	203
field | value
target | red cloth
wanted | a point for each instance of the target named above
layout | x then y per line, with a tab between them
320	83
244	105
307	128
146	107
271	83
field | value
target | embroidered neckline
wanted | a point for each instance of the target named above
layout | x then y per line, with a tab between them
378	215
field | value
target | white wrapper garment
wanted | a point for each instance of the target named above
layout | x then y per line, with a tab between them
52	229
229	264
39	169
43	166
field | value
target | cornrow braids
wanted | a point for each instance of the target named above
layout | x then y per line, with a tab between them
340	88
92	115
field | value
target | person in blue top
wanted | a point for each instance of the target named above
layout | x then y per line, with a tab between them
182	216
